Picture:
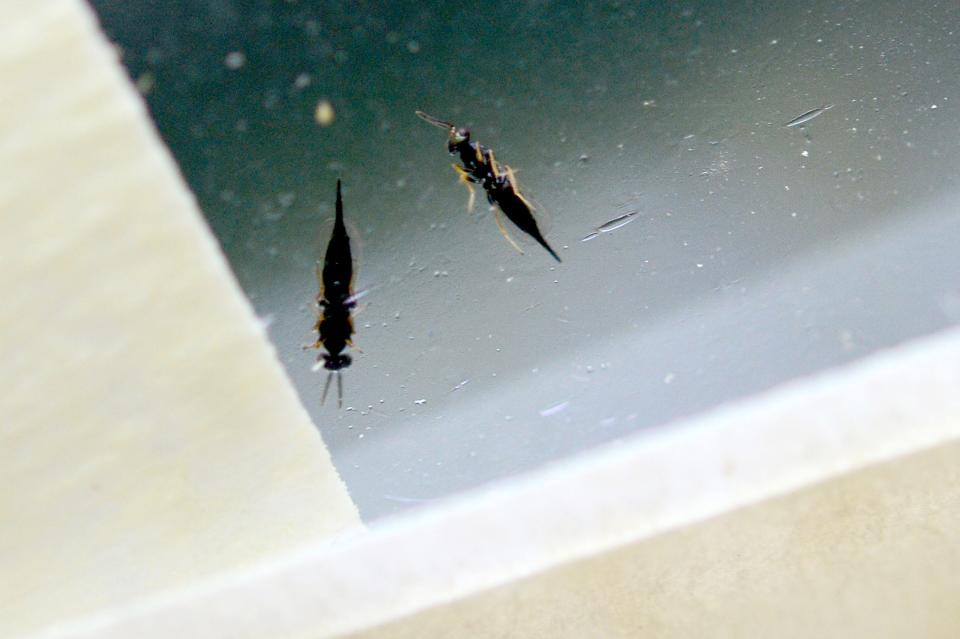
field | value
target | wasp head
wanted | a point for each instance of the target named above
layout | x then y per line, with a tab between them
336	362
458	136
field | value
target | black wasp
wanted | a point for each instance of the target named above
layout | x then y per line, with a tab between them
478	166
335	301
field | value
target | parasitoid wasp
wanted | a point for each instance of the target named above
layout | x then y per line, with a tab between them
335	302
478	166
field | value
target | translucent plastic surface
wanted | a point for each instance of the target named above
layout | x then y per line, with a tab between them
726	251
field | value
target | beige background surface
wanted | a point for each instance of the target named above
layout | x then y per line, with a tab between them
874	554
147	435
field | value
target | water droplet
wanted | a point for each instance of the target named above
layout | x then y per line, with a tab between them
302	81
145	82
324	113
287	199
235	60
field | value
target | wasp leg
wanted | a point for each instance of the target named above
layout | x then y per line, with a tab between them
339	390
503	230
493	163
465	178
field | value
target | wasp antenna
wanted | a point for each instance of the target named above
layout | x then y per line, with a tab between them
339	390
437	122
326	387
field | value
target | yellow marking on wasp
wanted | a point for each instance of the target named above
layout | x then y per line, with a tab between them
513	186
479	154
319	274
503	231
